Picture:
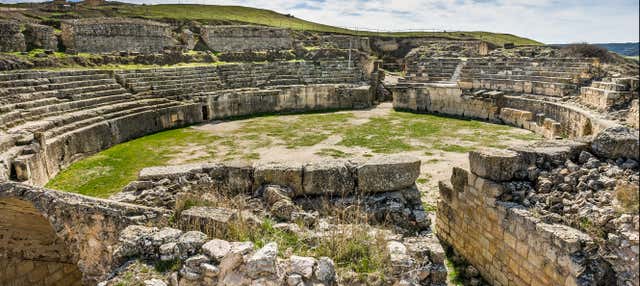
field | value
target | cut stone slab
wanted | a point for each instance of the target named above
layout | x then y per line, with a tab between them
617	142
207	219
284	174
493	164
328	177
388	173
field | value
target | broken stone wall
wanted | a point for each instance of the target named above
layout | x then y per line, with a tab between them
30	251
503	240
56	238
229	38
40	37
116	34
11	38
345	42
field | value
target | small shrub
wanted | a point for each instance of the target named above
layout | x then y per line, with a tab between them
628	197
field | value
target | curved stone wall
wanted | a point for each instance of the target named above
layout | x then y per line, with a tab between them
550	119
52	119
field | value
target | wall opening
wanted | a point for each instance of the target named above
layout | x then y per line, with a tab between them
30	251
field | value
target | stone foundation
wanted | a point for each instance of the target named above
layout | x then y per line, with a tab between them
511	245
116	34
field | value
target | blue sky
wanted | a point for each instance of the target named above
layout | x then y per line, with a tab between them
549	21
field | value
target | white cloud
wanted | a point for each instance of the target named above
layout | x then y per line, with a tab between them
550	21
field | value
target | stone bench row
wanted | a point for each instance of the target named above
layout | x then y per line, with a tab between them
522	86
382	174
519	77
22	75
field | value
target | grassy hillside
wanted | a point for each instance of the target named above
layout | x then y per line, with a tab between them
207	13
217	14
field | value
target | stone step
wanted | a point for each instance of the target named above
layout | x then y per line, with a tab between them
609	86
73	105
23	82
48	74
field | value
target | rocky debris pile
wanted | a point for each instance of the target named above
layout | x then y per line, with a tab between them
194	259
168	256
586	194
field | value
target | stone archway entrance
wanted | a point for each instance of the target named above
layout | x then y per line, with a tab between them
30	251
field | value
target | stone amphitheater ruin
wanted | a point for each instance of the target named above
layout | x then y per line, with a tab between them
562	211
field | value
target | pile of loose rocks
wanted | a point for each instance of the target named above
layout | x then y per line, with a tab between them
194	259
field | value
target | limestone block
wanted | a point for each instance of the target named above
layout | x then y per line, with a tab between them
328	177
263	262
497	165
302	265
216	249
208	219
284	174
616	142
459	179
388	173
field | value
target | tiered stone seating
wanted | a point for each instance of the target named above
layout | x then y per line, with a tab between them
548	77
610	94
56	103
185	82
432	69
33	96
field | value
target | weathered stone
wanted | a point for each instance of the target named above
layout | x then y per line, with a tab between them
295	280
325	271
191	242
384	174
301	265
284	174
497	165
154	282
216	248
279	201
166	235
328	177
107	35
616	142
169	251
209	270
263	261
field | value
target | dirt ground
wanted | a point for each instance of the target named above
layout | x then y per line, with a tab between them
436	165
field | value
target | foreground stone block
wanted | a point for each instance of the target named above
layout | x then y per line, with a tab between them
387	173
497	165
328	177
284	174
616	142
